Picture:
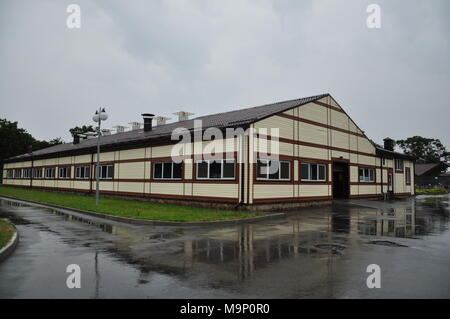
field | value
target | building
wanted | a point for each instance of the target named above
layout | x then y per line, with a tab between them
432	175
320	154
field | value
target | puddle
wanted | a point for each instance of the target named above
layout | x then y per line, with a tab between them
386	243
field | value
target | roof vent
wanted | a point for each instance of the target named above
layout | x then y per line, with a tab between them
120	128
135	125
161	120
148	118
183	116
76	138
106	131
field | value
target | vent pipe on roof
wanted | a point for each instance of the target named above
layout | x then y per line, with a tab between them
147	121
76	139
120	128
161	120
183	116
135	125
389	144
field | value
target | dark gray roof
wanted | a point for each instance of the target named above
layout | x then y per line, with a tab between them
384	152
421	169
219	120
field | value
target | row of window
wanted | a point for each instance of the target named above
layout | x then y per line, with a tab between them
81	172
208	169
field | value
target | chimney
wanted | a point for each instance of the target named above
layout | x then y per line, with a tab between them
76	139
147	121
389	144
135	125
183	116
161	120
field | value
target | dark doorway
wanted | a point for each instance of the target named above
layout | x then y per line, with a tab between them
340	180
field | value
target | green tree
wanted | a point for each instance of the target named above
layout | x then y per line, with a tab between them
15	141
425	150
81	129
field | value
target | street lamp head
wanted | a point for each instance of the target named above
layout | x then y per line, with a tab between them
102	116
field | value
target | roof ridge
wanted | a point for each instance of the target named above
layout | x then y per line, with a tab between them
267	104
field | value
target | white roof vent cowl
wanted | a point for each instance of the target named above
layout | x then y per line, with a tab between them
135	125
161	120
183	116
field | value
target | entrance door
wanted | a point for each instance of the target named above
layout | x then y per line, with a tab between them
340	180
390	181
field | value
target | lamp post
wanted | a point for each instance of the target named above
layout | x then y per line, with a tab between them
98	117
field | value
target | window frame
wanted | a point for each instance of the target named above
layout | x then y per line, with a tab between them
302	179
101	170
171	178
39	170
84	175
51	169
364	175
9	173
208	171
68	172
397	167
267	178
27	173
407	175
18	173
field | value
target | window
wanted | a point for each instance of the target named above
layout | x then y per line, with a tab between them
10	173
273	170
167	170
399	164
37	173
366	174
408	176
313	172
50	172
215	169
18	173
27	173
64	172
106	171
82	172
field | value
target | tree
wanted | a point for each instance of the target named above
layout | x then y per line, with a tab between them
425	150
82	129
15	141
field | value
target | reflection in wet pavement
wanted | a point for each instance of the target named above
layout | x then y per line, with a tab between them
317	252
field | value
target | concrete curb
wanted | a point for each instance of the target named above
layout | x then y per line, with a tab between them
6	251
137	221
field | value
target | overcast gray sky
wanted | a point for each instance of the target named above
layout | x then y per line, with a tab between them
208	56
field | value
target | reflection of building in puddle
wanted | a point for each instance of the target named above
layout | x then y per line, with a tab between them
247	248
397	222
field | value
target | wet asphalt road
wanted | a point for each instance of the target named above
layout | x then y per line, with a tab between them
313	253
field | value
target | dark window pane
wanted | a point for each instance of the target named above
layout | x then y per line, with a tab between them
157	170
215	170
305	171
274	170
228	169
176	170
202	170
313	172
110	172
261	169
87	172
285	167
167	170
361	174
321	172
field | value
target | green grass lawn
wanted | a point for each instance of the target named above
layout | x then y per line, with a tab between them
126	208
431	191
6	232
